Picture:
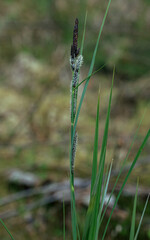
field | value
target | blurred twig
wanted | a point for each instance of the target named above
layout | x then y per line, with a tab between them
55	192
80	183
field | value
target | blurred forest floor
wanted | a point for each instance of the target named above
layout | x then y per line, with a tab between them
35	40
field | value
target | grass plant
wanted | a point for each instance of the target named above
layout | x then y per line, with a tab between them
100	177
99	180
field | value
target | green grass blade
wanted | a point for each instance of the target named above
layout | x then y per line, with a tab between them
73	207
99	183
95	152
90	75
83	36
123	165
132	230
104	143
126	178
73	221
93	209
141	219
105	187
91	69
6	229
98	39
75	227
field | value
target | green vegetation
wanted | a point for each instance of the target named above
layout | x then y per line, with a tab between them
35	41
99	182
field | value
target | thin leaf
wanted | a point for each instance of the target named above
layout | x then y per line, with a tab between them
83	36
6	229
126	178
137	232
98	185
93	209
123	165
132	230
105	187
90	75
95	152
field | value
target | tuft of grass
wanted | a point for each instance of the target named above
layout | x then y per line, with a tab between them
75	116
99	179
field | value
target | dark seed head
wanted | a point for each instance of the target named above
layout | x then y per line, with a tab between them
74	47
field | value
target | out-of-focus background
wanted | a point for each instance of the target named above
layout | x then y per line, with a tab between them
35	40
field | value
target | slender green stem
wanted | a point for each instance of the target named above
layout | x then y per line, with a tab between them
6	229
137	232
73	211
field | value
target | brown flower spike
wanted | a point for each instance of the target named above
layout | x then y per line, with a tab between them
74	48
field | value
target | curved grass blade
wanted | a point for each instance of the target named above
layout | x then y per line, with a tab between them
90	75
126	178
6	229
132	230
137	232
